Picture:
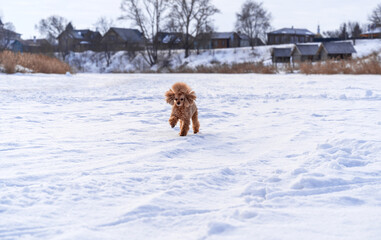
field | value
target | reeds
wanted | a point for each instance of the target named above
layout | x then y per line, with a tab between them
368	65
36	63
247	67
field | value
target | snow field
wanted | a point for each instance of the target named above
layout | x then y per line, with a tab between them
92	156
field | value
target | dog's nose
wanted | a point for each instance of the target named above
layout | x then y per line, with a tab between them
178	103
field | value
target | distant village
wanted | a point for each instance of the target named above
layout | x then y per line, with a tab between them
306	45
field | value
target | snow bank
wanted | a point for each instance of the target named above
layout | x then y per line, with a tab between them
122	62
92	156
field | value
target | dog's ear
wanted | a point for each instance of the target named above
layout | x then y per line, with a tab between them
190	97
170	96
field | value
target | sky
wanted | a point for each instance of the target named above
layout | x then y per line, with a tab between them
329	14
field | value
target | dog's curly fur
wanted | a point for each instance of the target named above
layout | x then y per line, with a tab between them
184	108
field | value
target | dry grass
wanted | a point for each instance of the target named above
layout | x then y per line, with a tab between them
37	63
368	65
247	67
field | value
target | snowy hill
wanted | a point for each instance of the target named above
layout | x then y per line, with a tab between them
92	156
122	62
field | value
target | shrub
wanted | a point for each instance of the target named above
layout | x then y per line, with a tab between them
247	67
37	63
367	65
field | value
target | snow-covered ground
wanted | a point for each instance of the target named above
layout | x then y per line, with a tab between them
92	156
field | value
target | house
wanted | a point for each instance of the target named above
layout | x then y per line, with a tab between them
290	35
305	52
78	40
32	46
336	50
281	55
245	40
7	36
118	39
215	40
372	33
225	40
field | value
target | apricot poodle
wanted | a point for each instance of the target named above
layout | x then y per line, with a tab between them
182	99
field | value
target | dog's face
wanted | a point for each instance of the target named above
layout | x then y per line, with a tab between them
180	95
179	99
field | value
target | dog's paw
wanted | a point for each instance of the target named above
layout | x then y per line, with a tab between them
172	122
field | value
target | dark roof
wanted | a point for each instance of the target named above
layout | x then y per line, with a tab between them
373	31
222	35
243	36
293	31
79	34
36	42
128	34
282	52
339	47
69	26
10	34
167	37
307	49
84	35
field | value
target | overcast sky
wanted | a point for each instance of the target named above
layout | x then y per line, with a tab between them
25	14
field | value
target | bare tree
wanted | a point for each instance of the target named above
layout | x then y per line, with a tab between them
345	31
375	17
148	16
204	36
189	16
52	27
253	20
354	29
103	24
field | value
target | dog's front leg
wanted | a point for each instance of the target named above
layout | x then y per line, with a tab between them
173	121
185	127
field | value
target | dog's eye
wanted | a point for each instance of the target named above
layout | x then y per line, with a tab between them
182	99
176	99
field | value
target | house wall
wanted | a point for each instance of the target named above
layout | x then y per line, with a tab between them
339	56
298	57
288	38
232	42
371	36
17	47
323	55
65	42
113	42
281	59
220	43
244	43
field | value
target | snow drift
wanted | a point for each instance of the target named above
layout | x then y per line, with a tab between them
92	156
